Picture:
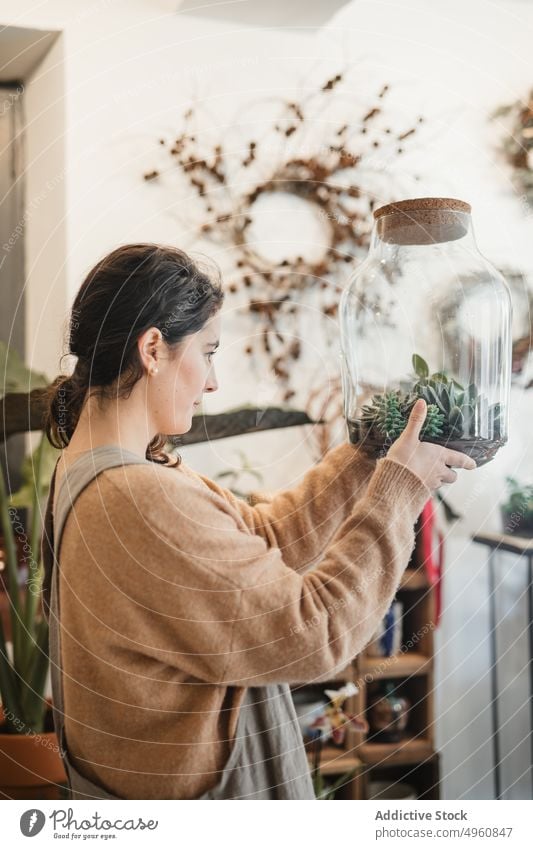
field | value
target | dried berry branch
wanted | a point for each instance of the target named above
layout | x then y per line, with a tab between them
517	144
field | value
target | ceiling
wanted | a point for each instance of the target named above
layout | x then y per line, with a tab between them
266	13
21	50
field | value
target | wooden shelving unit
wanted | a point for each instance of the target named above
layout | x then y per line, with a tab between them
400	666
336	761
413	760
408	751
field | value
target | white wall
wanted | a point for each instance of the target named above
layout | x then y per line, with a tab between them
46	223
455	62
130	68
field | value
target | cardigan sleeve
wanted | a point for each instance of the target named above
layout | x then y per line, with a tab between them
204	594
303	520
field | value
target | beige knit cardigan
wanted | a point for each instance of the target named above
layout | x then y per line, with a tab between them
175	596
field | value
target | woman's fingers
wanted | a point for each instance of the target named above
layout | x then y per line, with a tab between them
459	460
448	475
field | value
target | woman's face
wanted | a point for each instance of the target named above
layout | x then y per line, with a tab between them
184	374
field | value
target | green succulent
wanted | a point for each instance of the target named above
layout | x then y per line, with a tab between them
386	413
452	410
434	421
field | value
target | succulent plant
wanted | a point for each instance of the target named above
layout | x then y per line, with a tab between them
434	421
452	411
386	413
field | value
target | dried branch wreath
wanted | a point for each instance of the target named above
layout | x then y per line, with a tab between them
330	178
518	143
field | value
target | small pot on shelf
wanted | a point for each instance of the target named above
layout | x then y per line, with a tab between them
517	524
517	510
388	716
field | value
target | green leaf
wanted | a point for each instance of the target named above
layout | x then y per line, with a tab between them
8	681
11	557
456	421
36	474
433	423
22	680
451	515
35	574
33	705
436	398
15	375
420	366
455	413
445	395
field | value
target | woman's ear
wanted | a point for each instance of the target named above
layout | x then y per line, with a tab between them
150	346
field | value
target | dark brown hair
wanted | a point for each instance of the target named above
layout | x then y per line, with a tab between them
133	288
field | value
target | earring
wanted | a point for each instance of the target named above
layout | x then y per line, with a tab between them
154	371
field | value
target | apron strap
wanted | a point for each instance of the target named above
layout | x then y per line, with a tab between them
76	478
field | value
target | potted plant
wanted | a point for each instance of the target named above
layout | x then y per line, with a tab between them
517	511
330	723
29	752
30	763
453	414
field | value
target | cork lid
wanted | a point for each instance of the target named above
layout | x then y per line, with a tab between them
423	203
422	221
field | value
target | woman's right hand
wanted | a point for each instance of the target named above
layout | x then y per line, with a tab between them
432	463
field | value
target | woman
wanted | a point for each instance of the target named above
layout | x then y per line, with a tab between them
183	612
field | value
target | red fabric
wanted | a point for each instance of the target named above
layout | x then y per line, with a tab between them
431	553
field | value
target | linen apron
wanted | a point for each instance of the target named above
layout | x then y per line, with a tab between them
267	760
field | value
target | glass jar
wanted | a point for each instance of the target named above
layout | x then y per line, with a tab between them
426	316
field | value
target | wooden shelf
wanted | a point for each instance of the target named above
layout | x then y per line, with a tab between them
344	675
423	777
408	751
413	579
337	761
398	666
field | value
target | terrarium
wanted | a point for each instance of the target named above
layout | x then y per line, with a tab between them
426	316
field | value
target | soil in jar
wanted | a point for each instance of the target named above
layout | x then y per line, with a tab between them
480	449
